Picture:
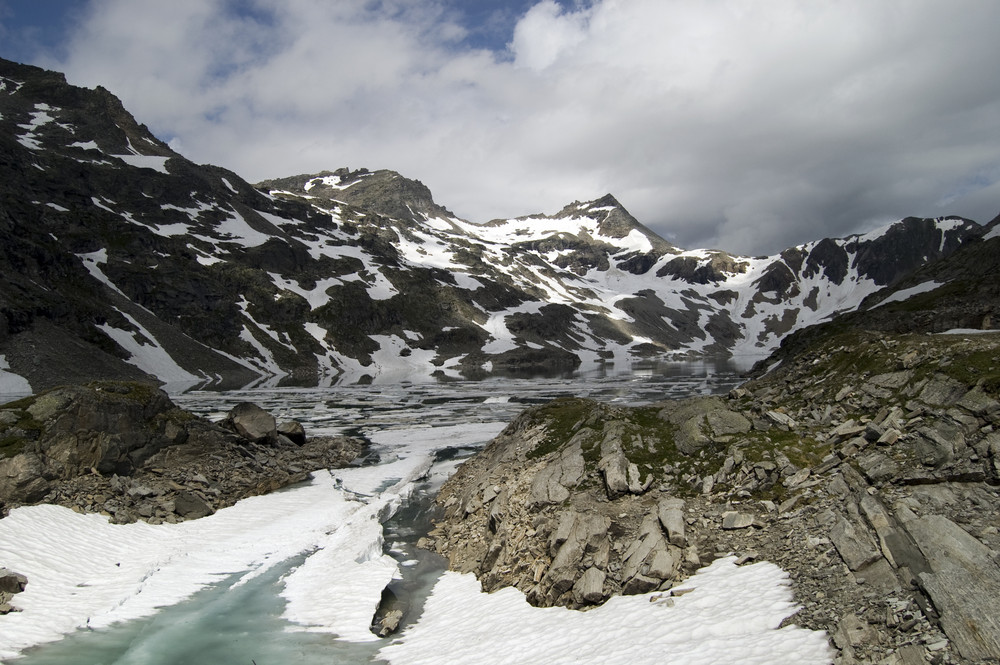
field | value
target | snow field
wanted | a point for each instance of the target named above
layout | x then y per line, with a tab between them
731	615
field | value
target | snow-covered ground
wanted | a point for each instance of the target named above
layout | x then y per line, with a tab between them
326	542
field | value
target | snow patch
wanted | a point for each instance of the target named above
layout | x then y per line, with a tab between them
150	357
731	615
905	294
153	162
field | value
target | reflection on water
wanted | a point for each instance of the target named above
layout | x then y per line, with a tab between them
242	624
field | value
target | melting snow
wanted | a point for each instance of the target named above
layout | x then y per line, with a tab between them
154	162
731	615
905	294
149	356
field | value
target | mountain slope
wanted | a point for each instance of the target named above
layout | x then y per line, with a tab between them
120	257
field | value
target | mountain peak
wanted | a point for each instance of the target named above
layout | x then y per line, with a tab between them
383	192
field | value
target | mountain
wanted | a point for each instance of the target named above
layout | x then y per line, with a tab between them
121	259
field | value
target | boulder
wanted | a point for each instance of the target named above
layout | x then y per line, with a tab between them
11	582
293	431
671	515
589	589
22	479
252	423
191	506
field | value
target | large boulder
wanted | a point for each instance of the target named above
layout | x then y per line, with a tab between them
252	423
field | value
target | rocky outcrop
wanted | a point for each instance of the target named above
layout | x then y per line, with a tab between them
124	449
866	467
11	583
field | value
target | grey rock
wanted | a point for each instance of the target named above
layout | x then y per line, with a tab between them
293	430
941	390
852	632
614	467
252	423
553	482
735	520
964	584
22	478
190	506
389	623
639	584
877	467
847	430
671	515
979	403
853	543
11	582
590	587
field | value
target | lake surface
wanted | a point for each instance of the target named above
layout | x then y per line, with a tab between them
418	433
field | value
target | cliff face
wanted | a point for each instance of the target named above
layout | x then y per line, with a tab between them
866	466
119	258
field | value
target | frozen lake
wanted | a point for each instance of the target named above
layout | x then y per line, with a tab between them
295	577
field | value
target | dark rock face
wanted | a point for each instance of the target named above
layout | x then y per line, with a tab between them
866	466
125	449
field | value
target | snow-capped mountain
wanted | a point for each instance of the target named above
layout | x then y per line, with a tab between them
121	257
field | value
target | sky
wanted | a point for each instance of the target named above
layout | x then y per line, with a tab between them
744	125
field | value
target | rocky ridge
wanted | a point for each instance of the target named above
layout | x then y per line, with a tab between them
121	259
867	467
123	449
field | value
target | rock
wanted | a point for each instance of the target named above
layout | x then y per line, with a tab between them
589	589
639	584
389	623
797	478
252	423
614	467
22	479
671	515
964	584
941	390
852	632
11	582
979	403
847	430
190	506
877	467
889	437
937	445
853	543
293	431
736	520
782	420
553	482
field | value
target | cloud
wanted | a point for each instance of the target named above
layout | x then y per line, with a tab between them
746	126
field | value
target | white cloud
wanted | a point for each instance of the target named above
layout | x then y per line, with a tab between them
747	126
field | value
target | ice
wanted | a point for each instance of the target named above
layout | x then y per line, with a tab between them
731	616
86	572
11	383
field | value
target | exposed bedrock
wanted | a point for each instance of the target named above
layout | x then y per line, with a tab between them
867	468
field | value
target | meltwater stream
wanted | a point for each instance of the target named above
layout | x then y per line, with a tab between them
419	433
